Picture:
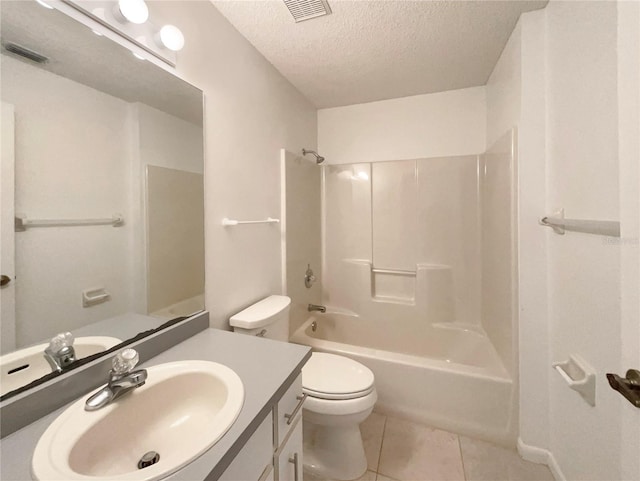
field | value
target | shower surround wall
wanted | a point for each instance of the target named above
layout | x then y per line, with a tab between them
418	274
300	224
414	252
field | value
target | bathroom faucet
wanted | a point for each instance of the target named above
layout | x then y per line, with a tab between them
314	307
60	352
122	379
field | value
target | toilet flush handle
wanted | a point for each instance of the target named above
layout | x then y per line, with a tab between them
292	416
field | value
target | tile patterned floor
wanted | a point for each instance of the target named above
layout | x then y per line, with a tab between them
399	450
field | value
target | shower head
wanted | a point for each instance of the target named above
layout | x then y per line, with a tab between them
319	158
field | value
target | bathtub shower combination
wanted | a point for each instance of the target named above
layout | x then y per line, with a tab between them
418	263
454	380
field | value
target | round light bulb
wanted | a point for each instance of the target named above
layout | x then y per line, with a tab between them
135	11
171	37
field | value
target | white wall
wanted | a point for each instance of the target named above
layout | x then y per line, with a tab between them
74	167
516	98
251	113
533	324
432	125
629	152
564	92
504	89
168	141
584	270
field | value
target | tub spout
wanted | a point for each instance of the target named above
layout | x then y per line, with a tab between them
314	307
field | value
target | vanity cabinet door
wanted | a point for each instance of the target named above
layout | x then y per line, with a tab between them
255	461
289	409
289	455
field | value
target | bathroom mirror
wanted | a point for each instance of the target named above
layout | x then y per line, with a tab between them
102	228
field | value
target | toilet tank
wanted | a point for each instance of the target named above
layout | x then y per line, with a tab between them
267	318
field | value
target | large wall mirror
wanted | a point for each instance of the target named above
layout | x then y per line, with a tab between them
102	228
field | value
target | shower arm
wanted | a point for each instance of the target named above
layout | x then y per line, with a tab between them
319	158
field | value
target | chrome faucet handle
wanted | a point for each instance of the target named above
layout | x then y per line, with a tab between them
60	352
122	379
60	341
124	361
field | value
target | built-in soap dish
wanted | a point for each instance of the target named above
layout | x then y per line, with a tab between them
579	376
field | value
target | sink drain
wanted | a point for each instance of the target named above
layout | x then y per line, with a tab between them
148	459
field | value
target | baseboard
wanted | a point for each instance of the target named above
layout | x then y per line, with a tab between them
541	456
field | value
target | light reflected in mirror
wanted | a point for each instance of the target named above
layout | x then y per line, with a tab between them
102	201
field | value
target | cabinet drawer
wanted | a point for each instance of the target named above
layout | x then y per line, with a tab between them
289	409
255	460
289	455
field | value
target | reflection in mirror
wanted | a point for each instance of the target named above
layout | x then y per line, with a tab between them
102	227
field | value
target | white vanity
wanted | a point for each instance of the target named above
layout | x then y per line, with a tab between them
264	442
274	452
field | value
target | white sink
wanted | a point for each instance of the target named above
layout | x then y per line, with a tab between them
26	365
183	409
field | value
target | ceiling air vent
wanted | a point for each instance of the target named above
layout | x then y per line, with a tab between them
24	52
307	9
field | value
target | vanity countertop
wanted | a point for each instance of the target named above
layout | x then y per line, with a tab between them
266	368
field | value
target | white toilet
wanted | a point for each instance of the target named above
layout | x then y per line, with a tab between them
340	395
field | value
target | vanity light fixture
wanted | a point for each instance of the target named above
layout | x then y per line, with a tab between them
140	40
131	19
171	37
44	4
134	11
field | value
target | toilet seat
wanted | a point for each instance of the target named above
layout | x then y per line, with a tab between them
341	396
329	376
332	410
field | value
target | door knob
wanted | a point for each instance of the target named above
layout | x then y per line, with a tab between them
4	280
628	386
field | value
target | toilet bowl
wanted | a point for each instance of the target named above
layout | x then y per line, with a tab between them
340	395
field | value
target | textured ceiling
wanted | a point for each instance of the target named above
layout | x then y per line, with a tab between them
375	50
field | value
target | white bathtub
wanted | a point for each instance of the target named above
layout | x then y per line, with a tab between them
186	307
449	378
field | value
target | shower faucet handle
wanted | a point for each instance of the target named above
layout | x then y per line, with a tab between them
309	278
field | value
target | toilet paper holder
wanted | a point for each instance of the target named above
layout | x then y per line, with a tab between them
579	376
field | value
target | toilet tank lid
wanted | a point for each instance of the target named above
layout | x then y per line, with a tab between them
261	313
